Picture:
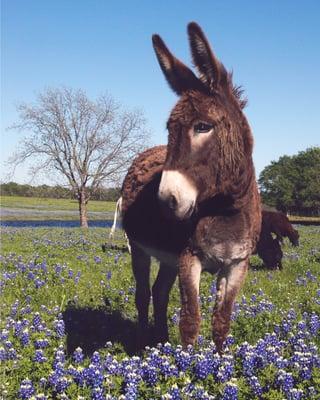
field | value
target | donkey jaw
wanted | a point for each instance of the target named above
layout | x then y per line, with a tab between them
177	195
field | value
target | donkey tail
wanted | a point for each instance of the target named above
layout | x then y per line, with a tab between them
116	213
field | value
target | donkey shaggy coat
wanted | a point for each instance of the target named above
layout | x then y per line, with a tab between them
193	204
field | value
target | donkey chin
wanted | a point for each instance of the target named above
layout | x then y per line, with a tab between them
177	195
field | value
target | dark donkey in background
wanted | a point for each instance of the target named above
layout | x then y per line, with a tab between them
274	223
193	205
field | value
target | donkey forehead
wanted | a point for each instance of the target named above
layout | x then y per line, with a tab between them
195	105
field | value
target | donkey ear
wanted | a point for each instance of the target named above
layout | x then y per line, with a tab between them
211	71
179	77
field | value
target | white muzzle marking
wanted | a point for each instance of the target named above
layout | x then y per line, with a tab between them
175	184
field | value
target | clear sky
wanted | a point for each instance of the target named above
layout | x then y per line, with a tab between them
272	46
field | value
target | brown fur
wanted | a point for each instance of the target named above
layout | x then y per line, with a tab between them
279	224
269	248
216	232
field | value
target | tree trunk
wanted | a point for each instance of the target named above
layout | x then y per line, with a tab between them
83	208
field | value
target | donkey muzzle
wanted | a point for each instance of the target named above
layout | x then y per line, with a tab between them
177	195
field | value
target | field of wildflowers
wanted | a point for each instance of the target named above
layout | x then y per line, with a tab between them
68	326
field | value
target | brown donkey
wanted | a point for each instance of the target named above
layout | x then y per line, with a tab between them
279	224
194	205
269	248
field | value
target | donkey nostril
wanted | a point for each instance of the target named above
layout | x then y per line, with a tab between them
172	202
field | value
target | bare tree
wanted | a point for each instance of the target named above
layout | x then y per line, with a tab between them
89	143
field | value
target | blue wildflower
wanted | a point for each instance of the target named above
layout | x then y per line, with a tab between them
26	389
78	355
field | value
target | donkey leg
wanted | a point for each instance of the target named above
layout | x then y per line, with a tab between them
189	280
160	294
229	282
141	271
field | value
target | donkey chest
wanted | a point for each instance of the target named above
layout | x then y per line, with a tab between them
218	254
222	241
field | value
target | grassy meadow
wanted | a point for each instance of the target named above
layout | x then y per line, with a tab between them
33	208
68	326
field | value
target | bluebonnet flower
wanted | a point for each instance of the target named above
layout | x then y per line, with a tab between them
25	337
226	368
41	343
131	392
39	356
255	385
78	355
93	375
25	310
312	391
174	392
3	353
18	327
4	334
176	317
77	374
59	357
97	394
57	379
149	373
200	394
202	366
26	389
11	354
58	269
310	276
229	341
230	391
43	381
59	327
284	380
167	348
183	359
108	275
314	324
77	277
39	283
295	394
61	384
95	359
166	368
36	321
14	308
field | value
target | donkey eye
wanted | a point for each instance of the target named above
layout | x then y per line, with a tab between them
202	127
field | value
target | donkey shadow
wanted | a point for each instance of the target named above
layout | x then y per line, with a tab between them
91	329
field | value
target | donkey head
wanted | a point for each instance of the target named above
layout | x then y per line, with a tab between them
293	236
209	148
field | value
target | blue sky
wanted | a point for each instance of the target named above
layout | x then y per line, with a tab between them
272	47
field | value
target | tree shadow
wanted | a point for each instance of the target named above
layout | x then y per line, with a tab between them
90	329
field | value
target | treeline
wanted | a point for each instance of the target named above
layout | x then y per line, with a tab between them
292	184
55	192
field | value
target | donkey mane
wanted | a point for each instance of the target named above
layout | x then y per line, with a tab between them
238	93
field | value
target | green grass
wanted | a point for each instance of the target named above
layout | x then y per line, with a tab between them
105	292
33	208
76	249
53	204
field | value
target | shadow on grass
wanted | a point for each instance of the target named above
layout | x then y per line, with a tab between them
90	329
263	267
